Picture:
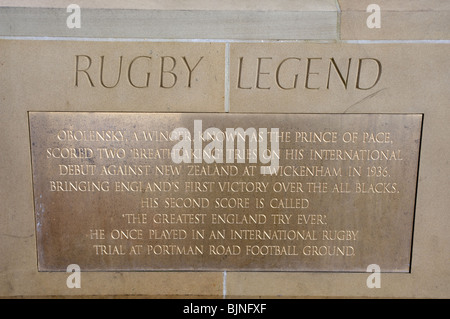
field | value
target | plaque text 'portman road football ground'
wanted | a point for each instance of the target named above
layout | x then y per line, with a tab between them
205	191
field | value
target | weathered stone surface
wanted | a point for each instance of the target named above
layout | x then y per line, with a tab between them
142	76
215	19
399	20
415	80
337	78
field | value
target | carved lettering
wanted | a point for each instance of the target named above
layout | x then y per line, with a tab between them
147	78
139	72
119	72
164	71
77	69
318	73
259	73
241	59
190	70
277	76
308	73
377	77
345	82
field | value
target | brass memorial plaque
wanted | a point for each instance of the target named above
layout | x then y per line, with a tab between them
207	191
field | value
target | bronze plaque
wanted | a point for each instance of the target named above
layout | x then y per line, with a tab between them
239	192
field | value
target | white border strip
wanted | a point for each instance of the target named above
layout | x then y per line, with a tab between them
4	37
216	40
393	41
